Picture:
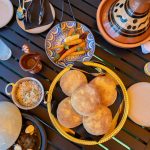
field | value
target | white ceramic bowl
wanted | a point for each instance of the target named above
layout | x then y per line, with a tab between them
14	90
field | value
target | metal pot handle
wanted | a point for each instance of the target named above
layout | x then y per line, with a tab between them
45	97
6	88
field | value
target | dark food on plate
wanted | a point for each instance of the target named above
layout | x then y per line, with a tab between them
72	80
106	87
66	114
99	122
29	137
85	100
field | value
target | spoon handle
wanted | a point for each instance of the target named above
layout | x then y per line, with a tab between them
19	3
23	4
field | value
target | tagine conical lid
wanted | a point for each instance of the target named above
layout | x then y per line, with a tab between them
10	124
124	23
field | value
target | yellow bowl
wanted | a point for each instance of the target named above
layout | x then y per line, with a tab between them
116	127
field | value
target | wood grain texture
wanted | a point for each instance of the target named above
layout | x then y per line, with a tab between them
128	64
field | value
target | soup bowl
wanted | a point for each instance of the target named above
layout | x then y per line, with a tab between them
15	94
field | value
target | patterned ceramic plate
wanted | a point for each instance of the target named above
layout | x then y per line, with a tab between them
57	35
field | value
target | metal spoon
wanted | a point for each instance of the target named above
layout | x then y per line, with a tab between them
24	10
19	4
41	14
21	11
28	12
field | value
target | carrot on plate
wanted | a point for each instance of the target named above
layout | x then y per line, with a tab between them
78	53
71	50
57	46
72	30
71	38
74	42
62	46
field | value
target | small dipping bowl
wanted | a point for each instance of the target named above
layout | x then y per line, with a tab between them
31	62
15	88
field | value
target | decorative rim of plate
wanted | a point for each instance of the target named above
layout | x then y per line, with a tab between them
88	56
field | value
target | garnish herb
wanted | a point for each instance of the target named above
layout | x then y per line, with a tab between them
79	49
66	47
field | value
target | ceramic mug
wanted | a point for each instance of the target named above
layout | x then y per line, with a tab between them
14	90
30	62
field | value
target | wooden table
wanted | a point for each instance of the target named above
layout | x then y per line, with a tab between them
127	63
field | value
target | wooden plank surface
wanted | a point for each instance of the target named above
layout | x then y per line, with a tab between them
128	64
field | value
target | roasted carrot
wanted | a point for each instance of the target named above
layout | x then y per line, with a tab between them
57	46
72	30
71	38
74	42
78	53
71	50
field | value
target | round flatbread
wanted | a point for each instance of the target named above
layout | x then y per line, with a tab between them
72	80
85	100
106	87
139	98
99	122
66	115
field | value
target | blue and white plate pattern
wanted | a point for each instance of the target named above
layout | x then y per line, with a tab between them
57	35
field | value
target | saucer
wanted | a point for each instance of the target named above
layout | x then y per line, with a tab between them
139	96
6	12
38	29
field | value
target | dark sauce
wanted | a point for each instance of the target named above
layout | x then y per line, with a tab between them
28	141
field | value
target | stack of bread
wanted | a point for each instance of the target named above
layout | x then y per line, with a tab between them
87	103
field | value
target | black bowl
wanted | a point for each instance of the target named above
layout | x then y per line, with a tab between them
39	137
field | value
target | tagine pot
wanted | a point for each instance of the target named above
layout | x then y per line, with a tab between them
124	23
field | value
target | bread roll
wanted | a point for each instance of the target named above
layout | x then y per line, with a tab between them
85	100
106	88
72	80
66	115
99	122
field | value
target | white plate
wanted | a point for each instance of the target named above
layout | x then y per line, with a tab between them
6	12
139	98
38	29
